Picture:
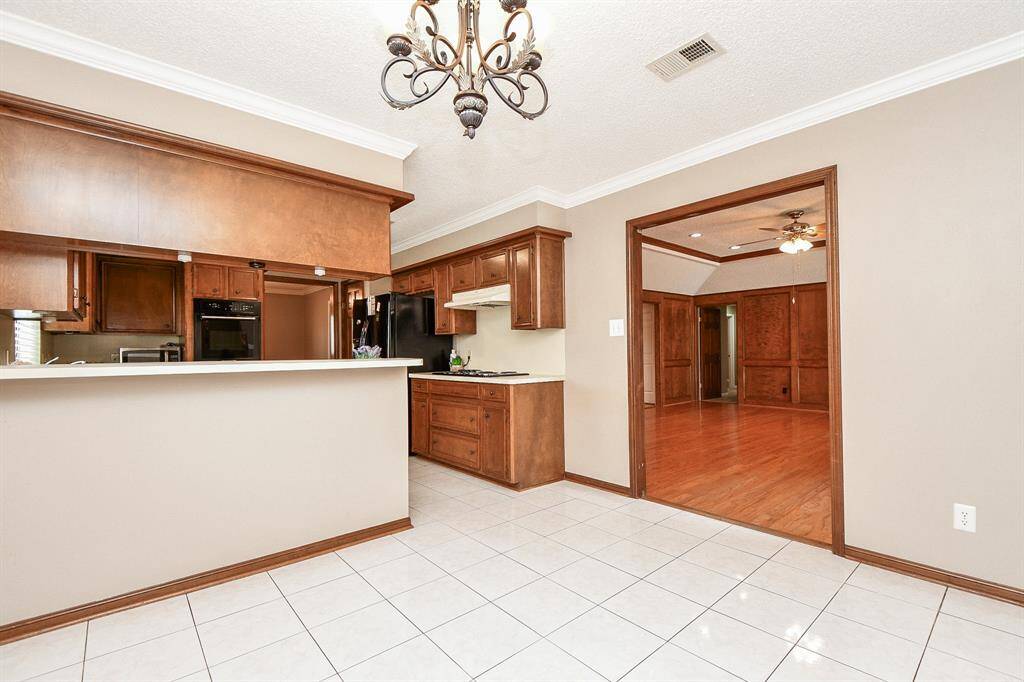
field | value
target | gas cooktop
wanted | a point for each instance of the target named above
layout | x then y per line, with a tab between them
482	373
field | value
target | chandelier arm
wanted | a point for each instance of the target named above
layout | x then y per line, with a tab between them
506	64
433	54
517	98
414	75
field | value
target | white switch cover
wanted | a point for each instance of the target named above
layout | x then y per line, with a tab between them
616	328
965	517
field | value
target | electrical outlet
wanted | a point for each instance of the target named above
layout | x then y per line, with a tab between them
965	517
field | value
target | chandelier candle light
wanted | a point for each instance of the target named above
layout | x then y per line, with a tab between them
507	75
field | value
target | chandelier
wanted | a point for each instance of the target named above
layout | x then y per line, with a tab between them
507	75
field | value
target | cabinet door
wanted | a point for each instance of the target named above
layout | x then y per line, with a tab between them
401	284
208	280
82	280
462	275
442	315
494	453
33	278
244	283
138	297
422	280
524	264
492	268
420	425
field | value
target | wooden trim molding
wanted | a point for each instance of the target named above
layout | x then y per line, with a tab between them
76	614
937	575
47	113
687	251
506	240
822	177
599	484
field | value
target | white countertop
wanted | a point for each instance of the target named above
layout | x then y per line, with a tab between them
509	381
133	369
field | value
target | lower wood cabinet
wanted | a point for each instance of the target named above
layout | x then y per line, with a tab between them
513	434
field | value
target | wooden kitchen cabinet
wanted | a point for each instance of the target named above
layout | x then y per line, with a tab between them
512	434
446	320
138	296
210	280
43	278
82	286
462	275
531	262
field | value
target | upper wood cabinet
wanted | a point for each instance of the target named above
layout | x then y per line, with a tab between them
531	261
43	278
82	283
76	175
138	296
210	280
492	268
462	274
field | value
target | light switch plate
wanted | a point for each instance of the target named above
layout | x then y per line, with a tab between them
616	327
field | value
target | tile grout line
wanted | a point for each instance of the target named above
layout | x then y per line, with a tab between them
920	658
195	626
302	622
85	649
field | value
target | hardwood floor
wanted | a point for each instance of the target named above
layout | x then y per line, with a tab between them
757	465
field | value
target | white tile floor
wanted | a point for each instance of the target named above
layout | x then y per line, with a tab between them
563	582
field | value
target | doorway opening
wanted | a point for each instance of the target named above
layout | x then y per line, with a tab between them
302	318
734	402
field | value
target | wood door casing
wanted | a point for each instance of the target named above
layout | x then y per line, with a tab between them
710	324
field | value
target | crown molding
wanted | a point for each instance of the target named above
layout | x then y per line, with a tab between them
524	198
42	38
941	71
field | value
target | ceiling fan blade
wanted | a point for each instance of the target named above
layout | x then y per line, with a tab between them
771	229
758	241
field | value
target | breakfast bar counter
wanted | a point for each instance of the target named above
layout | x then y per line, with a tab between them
121	479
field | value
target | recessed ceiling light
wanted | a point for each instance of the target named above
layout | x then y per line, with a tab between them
696	234
735	247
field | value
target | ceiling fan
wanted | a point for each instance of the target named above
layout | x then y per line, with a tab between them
795	237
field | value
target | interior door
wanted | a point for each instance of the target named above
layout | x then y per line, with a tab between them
675	367
710	353
649	354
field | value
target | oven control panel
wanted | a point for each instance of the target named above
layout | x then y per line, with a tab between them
212	306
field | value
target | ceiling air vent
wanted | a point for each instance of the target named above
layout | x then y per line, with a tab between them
686	58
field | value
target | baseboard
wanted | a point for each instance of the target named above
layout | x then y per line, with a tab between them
937	575
597	483
76	614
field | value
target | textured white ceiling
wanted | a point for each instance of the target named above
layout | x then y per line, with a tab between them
741	224
609	114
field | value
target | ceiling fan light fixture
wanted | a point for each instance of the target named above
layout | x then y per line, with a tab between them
735	247
696	234
788	246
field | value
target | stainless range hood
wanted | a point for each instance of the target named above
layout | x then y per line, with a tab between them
488	297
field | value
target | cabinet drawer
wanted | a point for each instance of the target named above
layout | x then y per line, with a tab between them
457	416
494	392
423	280
401	284
420	385
455	448
454	388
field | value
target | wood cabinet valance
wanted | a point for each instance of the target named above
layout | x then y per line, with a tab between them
71	174
531	261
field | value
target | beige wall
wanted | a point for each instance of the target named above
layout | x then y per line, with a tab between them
140	486
682	275
42	76
924	425
499	347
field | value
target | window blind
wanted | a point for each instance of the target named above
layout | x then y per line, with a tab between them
27	341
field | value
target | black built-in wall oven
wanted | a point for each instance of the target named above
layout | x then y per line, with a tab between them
226	330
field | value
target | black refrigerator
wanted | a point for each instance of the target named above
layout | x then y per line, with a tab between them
403	327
